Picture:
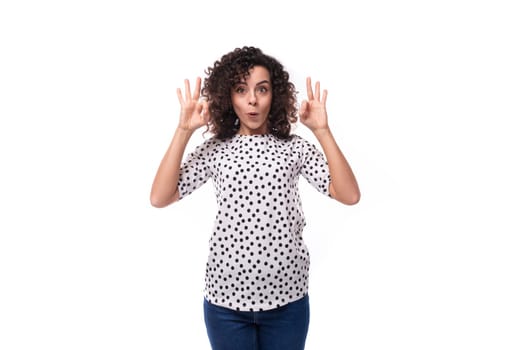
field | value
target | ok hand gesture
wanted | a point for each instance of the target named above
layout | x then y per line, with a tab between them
312	112
193	113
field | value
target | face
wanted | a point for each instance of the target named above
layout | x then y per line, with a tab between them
252	100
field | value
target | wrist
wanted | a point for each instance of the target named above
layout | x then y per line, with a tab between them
320	132
182	131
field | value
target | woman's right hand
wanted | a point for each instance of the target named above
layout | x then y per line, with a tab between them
193	113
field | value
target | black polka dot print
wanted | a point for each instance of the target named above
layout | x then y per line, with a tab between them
257	258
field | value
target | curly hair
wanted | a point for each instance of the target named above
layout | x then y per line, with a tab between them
234	67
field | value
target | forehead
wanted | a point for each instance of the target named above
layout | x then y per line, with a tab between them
256	75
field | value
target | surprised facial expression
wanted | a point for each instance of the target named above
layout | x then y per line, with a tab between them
252	100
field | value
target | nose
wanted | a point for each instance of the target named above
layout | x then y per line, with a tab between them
252	99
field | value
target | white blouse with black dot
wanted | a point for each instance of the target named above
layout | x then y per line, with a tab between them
257	258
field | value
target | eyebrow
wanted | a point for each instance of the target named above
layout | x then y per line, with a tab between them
259	83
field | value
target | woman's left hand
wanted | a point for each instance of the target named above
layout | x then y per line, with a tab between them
313	111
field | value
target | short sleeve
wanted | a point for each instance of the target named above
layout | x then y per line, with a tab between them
314	167
196	170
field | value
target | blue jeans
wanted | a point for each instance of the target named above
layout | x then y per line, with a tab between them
284	328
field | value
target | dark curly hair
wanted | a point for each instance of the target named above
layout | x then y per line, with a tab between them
234	67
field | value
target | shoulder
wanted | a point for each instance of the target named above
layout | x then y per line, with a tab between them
208	147
298	141
211	142
293	145
293	139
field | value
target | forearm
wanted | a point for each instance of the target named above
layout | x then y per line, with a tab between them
343	186
164	190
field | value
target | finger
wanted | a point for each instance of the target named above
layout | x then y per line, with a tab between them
309	88
317	90
179	95
199	108
187	89
204	106
325	95
303	109
197	91
205	112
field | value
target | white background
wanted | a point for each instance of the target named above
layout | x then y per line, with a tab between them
425	99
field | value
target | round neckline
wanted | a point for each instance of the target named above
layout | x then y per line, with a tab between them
252	135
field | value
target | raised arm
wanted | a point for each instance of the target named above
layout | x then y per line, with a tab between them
193	115
343	185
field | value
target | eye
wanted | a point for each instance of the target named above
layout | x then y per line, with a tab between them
240	89
262	89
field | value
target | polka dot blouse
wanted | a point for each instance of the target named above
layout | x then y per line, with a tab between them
257	258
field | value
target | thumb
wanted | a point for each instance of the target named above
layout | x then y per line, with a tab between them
205	111
199	108
303	109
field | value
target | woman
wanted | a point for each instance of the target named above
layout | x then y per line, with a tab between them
257	271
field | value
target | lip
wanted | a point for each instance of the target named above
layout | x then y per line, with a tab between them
252	114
